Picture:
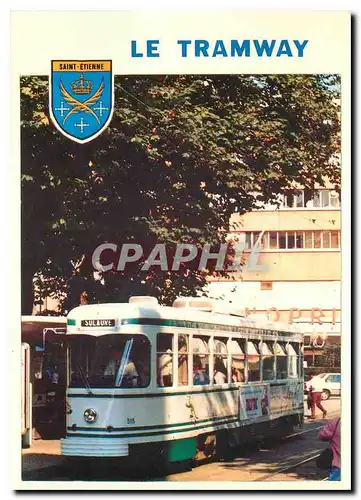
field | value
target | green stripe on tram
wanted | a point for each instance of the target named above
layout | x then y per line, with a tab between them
214	420
190	324
152	433
71	322
150	394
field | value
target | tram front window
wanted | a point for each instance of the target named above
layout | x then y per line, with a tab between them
110	361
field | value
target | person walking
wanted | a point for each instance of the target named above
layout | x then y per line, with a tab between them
332	433
316	401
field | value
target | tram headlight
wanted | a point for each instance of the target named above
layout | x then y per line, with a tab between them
90	415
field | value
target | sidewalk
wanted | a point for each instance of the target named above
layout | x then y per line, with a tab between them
42	454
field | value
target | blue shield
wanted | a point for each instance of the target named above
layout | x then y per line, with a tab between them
81	98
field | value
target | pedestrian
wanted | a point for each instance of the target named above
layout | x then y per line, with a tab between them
309	401
316	401
332	433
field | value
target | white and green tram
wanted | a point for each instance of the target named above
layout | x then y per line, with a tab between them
179	382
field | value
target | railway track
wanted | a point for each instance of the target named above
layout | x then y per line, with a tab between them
293	467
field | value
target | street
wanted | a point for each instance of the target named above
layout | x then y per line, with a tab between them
289	459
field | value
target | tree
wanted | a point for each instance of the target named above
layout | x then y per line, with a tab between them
330	357
182	153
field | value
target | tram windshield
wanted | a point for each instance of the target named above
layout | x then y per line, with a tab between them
109	361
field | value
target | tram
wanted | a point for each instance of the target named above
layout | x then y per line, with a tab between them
177	383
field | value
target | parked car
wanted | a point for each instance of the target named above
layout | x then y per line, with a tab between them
328	383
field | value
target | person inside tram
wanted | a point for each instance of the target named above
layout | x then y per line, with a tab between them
237	375
114	363
142	367
182	360
165	369
130	373
220	372
200	375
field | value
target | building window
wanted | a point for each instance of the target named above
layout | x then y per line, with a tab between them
300	239
273	240
299	199
304	198
294	240
326	239
317	239
335	239
291	240
288	200
282	240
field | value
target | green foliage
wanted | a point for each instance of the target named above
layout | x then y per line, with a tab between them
331	356
181	154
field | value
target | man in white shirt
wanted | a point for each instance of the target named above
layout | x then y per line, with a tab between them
165	368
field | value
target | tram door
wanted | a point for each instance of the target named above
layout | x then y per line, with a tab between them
26	397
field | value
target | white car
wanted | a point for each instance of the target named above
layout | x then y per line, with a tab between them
327	383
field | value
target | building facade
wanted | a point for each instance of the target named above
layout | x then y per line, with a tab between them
292	265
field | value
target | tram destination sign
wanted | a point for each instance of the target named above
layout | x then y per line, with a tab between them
97	322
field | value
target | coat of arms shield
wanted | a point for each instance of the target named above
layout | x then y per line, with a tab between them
81	98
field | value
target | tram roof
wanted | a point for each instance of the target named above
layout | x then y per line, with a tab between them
137	311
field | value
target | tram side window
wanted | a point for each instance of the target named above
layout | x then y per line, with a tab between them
237	349
268	360
293	360
220	362
165	359
183	350
200	360
281	360
254	358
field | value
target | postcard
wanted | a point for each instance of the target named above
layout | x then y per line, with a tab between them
181	212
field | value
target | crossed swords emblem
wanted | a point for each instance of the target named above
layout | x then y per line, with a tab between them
79	106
